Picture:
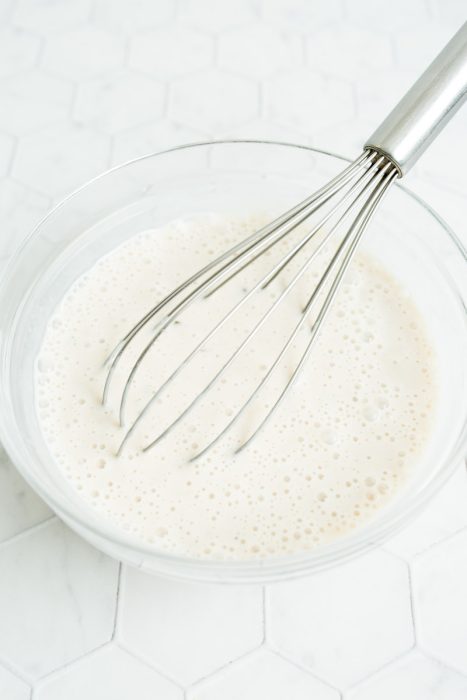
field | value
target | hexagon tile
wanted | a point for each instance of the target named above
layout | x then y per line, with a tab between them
440	585
12	688
33	100
18	51
345	623
21	508
58	159
204	627
212	100
85	84
58	600
84	53
120	102
157	53
415	677
20	208
107	674
262	674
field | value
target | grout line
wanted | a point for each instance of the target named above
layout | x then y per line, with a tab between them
412	605
28	531
443	540
40	193
147	662
429	655
118	598
264	604
57	672
222	668
71	119
381	669
302	667
13	154
16	671
41	52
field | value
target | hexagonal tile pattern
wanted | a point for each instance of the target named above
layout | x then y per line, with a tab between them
303	99
301	15
128	17
20	508
84	53
176	50
205	626
343	623
213	100
429	40
157	136
348	138
439	163
414	677
56	160
20	209
108	674
264	129
50	16
18	51
217	16
445	515
349	52
390	17
440	585
33	100
260	675
373	102
58	600
264	50
120	102
7	145
12	688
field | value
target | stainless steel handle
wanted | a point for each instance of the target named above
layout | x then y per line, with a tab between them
426	108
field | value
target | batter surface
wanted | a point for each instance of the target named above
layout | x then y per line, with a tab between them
338	450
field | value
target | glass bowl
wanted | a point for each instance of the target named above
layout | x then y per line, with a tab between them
230	176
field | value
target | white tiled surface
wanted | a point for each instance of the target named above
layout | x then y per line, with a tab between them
88	83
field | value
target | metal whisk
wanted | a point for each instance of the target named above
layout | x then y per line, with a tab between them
353	197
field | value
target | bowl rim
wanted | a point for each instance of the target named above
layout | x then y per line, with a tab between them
247	570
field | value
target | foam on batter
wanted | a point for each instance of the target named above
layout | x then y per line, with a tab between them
338	450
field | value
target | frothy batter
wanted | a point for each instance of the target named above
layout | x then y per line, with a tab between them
338	449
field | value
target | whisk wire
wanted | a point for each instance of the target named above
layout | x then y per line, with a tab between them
243	246
358	228
266	279
366	178
261	284
204	287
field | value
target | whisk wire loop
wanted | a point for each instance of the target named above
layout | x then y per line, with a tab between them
243	248
365	180
266	279
354	234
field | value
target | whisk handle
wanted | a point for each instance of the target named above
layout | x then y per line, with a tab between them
426	108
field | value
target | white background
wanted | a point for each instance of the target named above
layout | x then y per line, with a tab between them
85	84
